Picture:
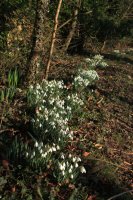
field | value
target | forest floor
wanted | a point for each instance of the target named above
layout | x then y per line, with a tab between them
105	131
110	129
105	135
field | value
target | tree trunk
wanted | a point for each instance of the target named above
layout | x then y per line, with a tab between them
38	40
73	27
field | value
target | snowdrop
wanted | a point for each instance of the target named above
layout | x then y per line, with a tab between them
70	156
70	171
62	156
74	159
72	176
82	169
36	144
76	165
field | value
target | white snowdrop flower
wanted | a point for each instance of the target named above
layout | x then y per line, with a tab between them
70	171
71	167
57	115
76	165
33	153
64	165
50	150
46	118
61	167
44	155
36	144
68	97
67	129
54	149
40	125
62	156
82	169
41	151
74	159
70	155
58	148
116	51
63	173
31	87
87	59
70	136
27	154
38	86
78	159
40	108
71	176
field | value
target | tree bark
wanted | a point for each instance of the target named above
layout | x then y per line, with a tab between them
73	27
38	40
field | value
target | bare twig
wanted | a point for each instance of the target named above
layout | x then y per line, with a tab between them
118	195
65	23
53	39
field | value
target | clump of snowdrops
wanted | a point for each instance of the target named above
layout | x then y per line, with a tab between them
97	60
54	105
84	79
54	108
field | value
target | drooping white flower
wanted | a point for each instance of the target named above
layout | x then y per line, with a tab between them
41	151
54	149
62	156
58	148
27	154
36	144
70	171
74	159
78	159
71	176
70	155
82	169
76	165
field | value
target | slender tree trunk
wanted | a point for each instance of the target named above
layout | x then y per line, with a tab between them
38	40
73	27
53	39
